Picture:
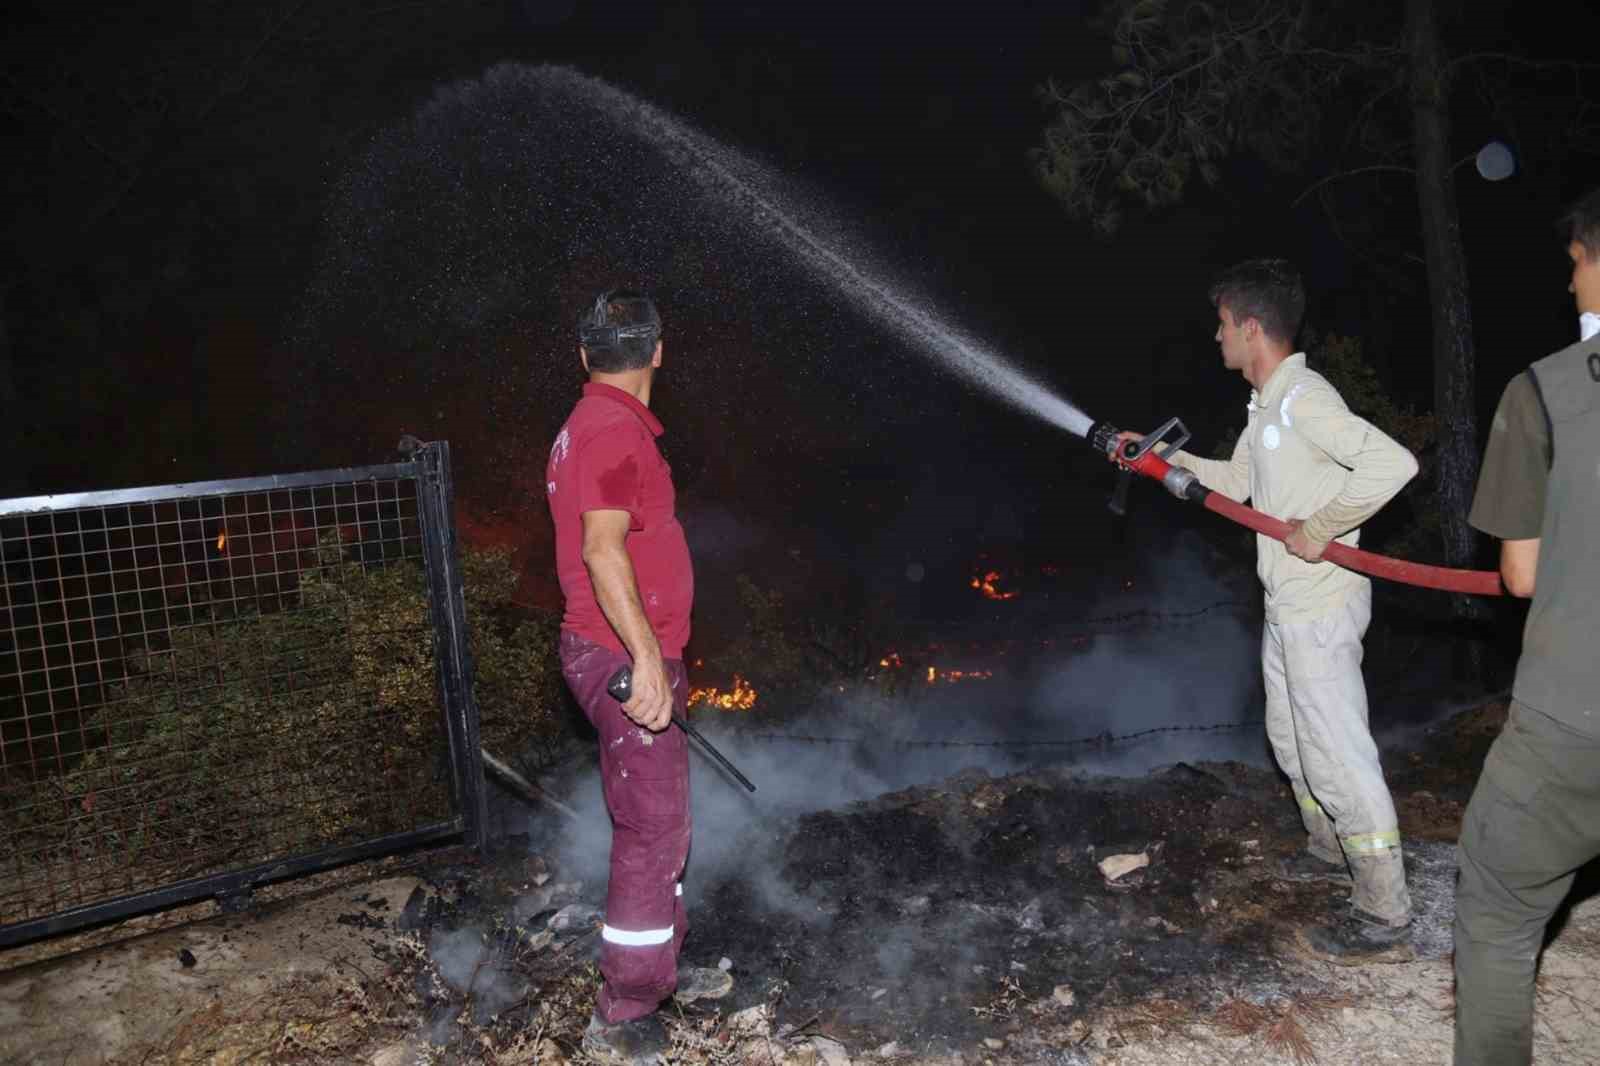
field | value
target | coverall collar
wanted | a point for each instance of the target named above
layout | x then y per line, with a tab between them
1264	396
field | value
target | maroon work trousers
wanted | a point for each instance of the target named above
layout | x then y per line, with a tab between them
645	777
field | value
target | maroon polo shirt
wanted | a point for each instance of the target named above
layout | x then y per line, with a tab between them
605	459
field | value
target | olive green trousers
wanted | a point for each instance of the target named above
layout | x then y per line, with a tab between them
1534	818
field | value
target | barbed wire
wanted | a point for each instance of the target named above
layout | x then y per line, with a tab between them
1104	740
1151	617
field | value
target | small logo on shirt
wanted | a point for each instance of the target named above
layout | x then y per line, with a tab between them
1270	439
559	451
550	487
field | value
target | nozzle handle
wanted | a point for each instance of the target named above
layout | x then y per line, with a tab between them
1119	496
1173	433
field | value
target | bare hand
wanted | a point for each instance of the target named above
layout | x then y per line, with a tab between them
1301	546
650	706
1115	455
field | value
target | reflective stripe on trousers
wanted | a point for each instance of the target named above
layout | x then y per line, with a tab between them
638	938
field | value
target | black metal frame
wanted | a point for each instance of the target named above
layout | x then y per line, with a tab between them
429	470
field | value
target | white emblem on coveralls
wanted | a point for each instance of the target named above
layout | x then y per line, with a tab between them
1269	438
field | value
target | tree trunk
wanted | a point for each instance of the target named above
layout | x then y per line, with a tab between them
1454	394
13	456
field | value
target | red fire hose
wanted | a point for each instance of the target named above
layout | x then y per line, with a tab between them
1140	457
1477	582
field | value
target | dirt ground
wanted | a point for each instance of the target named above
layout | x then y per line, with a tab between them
967	921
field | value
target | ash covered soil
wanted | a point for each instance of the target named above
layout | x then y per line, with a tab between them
930	920
924	915
968	920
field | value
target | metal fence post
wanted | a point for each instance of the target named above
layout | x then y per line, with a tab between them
452	654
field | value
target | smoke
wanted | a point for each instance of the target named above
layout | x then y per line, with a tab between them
1200	671
471	968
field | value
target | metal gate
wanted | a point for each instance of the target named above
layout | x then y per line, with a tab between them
206	687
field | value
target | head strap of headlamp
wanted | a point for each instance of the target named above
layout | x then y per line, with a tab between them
597	331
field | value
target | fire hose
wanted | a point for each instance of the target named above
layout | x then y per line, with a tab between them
1140	457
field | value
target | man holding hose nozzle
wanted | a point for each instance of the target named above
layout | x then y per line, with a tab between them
626	577
1534	817
1304	458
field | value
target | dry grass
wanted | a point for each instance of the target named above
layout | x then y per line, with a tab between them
1154	1018
1007	999
304	1019
1241	1017
1287	1035
1281	1027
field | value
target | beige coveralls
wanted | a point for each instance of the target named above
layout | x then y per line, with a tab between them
1304	455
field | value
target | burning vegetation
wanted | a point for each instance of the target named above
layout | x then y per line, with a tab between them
988	585
738	696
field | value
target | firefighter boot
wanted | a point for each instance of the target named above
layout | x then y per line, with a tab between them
1376	928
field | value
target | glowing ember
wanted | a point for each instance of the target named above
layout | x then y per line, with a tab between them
989	585
933	675
739	697
950	677
222	539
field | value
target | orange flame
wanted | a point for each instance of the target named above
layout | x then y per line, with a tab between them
989	585
222	539
740	697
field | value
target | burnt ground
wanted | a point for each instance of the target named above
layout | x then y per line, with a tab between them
933	918
938	916
914	913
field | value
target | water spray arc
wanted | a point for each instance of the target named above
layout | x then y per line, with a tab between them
746	182
1140	457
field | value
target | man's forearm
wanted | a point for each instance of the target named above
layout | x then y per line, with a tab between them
1519	566
1378	473
617	591
1230	478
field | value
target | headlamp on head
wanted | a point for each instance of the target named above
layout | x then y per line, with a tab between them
618	315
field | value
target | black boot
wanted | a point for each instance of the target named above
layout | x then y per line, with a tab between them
1356	939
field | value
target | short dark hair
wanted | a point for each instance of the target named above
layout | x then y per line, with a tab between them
1267	290
619	331
1581	223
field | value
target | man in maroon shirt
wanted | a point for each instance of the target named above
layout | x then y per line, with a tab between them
625	573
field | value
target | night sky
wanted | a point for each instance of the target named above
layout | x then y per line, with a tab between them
237	249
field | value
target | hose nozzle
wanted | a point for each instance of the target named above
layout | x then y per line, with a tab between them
1140	457
1103	437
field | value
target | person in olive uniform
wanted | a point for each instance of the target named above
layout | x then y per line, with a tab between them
1534	817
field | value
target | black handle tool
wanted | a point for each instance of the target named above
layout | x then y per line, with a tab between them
621	688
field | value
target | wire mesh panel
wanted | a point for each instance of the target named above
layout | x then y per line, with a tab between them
198	684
